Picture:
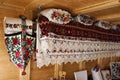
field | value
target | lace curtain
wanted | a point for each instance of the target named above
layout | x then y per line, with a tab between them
53	48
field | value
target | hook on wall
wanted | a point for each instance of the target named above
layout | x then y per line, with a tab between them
22	17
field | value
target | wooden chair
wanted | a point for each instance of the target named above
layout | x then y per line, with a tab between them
62	75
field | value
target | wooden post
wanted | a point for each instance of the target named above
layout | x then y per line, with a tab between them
113	59
57	69
82	65
99	61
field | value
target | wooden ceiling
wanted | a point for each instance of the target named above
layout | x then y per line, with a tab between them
100	9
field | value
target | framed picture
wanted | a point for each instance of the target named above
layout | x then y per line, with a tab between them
106	74
115	70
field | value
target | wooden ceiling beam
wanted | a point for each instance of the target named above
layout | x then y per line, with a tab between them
116	22
36	4
2	1
96	7
110	17
11	6
65	5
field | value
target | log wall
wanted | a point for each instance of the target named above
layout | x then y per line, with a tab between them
8	70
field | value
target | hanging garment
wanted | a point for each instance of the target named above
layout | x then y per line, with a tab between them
96	73
19	41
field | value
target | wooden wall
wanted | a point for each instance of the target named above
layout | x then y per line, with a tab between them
52	70
43	73
8	70
70	69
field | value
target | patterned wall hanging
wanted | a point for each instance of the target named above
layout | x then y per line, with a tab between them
115	70
62	43
19	41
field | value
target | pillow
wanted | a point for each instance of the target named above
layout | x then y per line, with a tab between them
14	25
85	19
103	24
115	27
57	15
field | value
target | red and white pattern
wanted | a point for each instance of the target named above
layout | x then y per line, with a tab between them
53	48
13	25
19	41
57	15
85	19
104	24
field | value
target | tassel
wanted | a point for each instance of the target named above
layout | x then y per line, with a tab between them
23	72
35	59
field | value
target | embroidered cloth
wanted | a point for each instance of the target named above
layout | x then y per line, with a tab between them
19	41
58	43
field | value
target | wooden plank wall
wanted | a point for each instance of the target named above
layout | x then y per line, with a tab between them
43	73
70	69
8	71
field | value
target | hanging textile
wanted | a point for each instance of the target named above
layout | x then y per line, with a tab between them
19	41
62	43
